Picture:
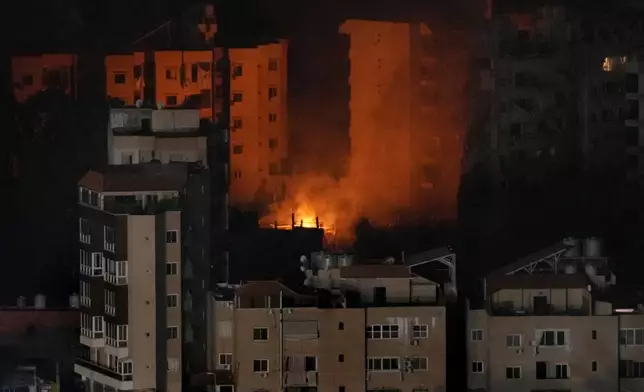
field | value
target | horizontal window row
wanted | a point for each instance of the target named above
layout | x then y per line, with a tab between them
560	338
543	370
375	332
109	237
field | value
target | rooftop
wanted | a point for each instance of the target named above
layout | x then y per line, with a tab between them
146	177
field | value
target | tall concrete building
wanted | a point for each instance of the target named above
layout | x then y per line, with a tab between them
364	327
249	89
144	244
403	106
550	321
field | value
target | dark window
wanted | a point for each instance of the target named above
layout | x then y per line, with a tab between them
594	334
341	358
171	73
632	162
238	149
542	370
206	98
260	365
119	78
632	83
272	65
194	72
171	268
272	144
341	388
594	366
237	123
272	92
238	70
171	236
310	364
379	296
633	109
341	326
515	131
260	333
520	79
272	117
171	100
238	97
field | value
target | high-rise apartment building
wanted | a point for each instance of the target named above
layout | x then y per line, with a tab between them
365	327
144	236
549	322
31	74
257	116
404	112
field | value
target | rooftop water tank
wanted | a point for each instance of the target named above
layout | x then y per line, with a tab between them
574	249
40	302
570	269
345	260
22	302
592	247
329	261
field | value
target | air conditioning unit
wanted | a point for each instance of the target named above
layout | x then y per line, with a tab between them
414	342
263	374
226	367
409	370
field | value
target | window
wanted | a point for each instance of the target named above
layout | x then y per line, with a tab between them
88	197
632	109
110	302
108	239
632	83
594	334
237	123
125	367
341	388
272	65
85	294
476	335
513	341
237	96
194	73
172	332
272	92
171	236
341	358
260	334
593	366
119	78
174	365
237	70
386	331
341	326
554	338
631	369
84	231
97	264
419	331
172	300
310	363
632	136
272	144
274	169
171	73
260	365
513	372
238	149
225	359
115	335
171	100
85	263
477	367
383	364
632	161
171	268
237	174
631	336
562	371
272	117
419	363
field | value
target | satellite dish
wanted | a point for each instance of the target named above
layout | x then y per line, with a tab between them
159	105
139	103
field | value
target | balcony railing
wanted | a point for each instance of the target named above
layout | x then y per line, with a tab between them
93	366
115	280
92	334
86	301
115	343
138	207
549	311
88	270
110	310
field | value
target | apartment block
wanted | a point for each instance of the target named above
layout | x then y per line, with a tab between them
139	135
144	273
256	80
31	74
549	323
351	327
406	101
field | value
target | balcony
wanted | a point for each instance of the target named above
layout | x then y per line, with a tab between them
115	279
301	379
103	374
508	310
131	206
90	338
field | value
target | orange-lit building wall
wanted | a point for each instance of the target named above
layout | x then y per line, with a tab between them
259	123
31	74
380	111
125	77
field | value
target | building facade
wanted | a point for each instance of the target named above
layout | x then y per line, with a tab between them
366	327
548	323
145	270
255	78
31	74
405	107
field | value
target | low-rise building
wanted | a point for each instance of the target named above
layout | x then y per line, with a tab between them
548	324
350	328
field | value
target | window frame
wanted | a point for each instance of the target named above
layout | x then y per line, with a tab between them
260	330
170	233
228	359
172	332
473	335
261	361
513	375
477	371
377	332
171	268
394	364
168	301
512	344
420	331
